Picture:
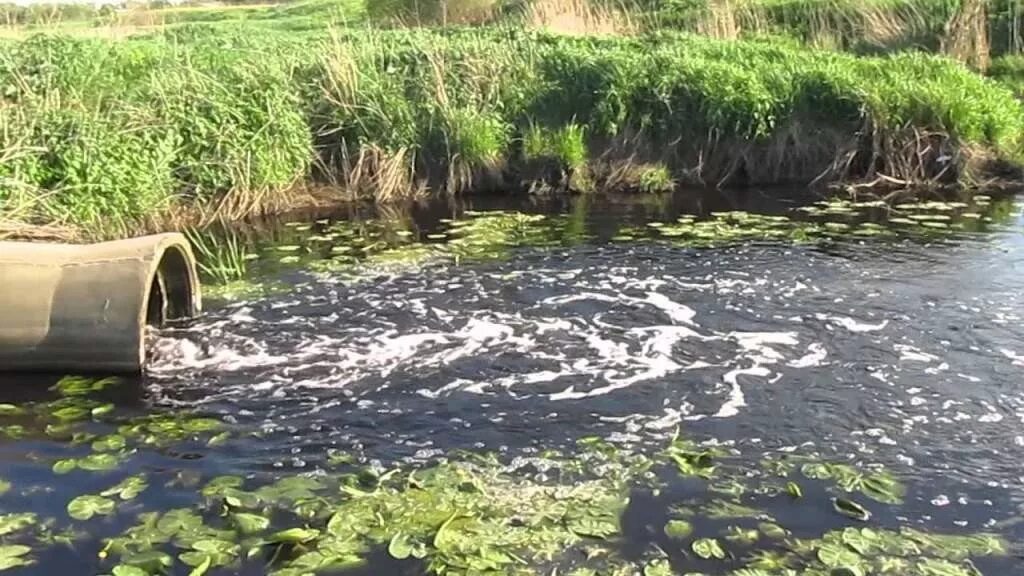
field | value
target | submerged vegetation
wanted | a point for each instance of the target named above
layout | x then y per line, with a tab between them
206	118
465	513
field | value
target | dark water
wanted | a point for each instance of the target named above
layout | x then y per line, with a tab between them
904	351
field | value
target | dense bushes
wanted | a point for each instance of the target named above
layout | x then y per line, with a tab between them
95	128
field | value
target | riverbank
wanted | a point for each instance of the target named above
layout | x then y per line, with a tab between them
110	135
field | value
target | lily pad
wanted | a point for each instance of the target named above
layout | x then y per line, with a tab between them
708	548
126	570
794	490
13	556
250	523
659	567
678	529
851	509
98	462
128	488
89	505
64	466
835	555
400	547
294	535
109	443
10	523
152	561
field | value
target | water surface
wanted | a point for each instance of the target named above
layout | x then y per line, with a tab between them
399	338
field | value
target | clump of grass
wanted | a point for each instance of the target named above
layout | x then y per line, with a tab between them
1009	71
222	119
578	17
221	259
433	12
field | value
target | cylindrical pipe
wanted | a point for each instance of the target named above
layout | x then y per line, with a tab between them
85	308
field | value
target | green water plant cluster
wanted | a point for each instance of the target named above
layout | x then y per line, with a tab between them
234	262
470	513
835	220
103	133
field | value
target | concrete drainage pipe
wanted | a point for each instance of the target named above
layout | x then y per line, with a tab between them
85	308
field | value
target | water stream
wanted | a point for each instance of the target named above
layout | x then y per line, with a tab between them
398	339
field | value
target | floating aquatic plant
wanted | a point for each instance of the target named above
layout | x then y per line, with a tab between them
473	514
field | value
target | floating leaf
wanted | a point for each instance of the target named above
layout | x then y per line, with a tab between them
128	488
250	523
400	548
794	490
5	486
126	570
64	466
659	567
152	561
70	413
10	523
865	541
678	529
202	567
939	567
109	443
101	410
86	506
708	548
294	535
883	488
219	439
98	462
773	531
10	410
12	556
851	509
220	484
742	536
836	555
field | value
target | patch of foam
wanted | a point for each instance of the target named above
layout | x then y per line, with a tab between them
1018	360
815	356
912	354
736	398
851	324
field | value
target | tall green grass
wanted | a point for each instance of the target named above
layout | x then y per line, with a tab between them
94	130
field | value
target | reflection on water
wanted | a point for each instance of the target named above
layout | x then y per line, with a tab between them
764	329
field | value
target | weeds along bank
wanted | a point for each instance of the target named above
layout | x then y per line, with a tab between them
114	133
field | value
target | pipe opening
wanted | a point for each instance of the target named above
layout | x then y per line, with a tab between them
171	292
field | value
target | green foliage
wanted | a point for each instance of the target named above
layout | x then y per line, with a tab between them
104	131
13	556
430	12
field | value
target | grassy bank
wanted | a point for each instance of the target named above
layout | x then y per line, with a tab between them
95	132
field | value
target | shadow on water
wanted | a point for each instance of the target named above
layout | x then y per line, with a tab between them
30	387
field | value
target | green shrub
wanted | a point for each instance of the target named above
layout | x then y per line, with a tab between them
100	167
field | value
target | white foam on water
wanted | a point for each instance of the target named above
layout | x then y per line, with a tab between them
675	311
1018	360
912	354
851	324
736	398
815	356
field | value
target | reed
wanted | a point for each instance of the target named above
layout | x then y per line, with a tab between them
97	132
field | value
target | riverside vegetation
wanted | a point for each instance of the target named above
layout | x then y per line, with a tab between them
232	114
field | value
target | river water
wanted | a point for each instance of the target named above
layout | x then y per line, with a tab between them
515	329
